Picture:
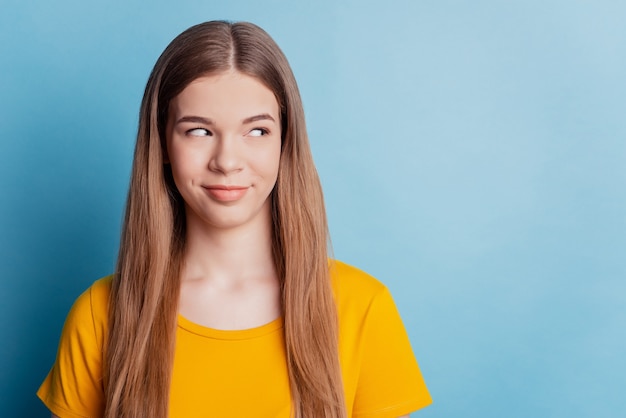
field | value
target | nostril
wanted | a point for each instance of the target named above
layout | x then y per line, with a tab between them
226	159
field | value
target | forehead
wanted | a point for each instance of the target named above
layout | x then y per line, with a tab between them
228	94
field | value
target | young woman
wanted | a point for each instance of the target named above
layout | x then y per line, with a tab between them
224	302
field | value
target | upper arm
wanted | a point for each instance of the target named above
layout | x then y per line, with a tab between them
389	378
74	386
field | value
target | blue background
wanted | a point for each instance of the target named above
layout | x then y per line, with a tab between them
472	154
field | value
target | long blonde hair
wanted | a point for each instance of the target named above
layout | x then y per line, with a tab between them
145	290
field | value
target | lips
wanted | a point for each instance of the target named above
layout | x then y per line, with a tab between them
224	193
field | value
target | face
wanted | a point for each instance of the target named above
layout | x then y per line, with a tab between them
223	143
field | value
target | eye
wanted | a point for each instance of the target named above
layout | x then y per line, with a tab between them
258	132
199	132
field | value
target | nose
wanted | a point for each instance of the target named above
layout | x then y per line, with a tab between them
226	157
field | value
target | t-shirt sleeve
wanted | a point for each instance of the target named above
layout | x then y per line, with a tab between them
390	383
74	387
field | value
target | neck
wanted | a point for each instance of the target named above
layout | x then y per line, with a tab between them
231	255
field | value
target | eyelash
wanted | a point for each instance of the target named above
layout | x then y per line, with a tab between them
262	130
190	132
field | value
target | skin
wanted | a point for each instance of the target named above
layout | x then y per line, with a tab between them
229	280
223	131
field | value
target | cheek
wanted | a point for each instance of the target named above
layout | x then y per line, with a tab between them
271	166
186	160
181	162
273	158
264	161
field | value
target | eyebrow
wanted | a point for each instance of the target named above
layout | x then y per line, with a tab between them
195	119
262	116
207	121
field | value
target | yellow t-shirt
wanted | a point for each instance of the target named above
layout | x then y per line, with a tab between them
243	373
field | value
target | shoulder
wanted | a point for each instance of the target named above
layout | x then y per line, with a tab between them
95	298
100	291
365	306
74	385
346	278
89	314
380	373
355	290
